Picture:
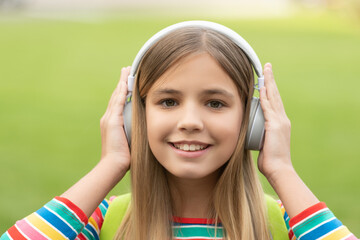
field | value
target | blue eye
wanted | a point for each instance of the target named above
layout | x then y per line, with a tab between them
215	104
168	103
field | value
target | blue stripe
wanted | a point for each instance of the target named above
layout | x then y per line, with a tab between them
92	230
287	219
105	203
87	234
103	210
56	222
322	230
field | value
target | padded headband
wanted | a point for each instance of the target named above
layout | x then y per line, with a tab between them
232	35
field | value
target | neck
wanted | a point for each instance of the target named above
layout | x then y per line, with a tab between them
192	198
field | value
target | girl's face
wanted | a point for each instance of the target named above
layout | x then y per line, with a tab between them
194	114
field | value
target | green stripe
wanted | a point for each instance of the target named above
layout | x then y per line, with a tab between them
66	214
88	234
313	222
287	220
103	209
187	231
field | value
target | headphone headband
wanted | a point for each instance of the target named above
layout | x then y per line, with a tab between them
255	132
232	35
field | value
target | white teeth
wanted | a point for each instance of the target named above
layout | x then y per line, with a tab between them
190	148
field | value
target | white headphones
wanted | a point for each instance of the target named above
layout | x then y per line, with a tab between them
255	132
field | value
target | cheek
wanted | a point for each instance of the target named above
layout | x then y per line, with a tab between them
157	126
226	132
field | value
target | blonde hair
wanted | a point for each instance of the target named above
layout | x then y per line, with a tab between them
238	199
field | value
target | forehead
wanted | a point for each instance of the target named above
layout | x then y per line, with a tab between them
195	73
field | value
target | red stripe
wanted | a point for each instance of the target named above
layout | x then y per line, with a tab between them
15	234
194	220
191	238
97	215
307	212
81	237
291	234
81	215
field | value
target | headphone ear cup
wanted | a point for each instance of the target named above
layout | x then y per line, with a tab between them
256	129
127	113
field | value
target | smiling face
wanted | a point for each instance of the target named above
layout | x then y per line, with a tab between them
194	115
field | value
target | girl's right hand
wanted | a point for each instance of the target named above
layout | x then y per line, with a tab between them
114	146
90	190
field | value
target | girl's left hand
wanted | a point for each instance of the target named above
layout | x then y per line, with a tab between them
275	155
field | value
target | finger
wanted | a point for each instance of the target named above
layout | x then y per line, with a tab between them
265	104
125	72
115	91
272	90
270	81
119	100
123	78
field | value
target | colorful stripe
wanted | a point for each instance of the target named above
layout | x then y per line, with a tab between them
93	232
287	221
196	228
14	233
29	230
45	227
63	227
5	236
318	222
340	233
66	214
71	207
61	219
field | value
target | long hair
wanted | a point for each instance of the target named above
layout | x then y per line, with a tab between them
238	199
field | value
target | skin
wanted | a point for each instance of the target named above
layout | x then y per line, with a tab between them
195	184
180	108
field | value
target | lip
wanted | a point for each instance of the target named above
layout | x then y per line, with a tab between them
188	154
191	142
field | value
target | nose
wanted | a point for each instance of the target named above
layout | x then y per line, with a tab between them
190	118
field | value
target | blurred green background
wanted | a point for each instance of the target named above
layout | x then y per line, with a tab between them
57	75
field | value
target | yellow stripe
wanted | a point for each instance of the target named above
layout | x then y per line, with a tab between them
44	227
281	208
283	211
93	223
338	234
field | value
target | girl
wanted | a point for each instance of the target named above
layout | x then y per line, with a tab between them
191	176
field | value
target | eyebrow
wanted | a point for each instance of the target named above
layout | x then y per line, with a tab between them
167	91
214	91
218	92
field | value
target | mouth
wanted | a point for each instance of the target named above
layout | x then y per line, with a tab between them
189	147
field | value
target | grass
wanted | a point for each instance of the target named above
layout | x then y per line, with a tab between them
57	76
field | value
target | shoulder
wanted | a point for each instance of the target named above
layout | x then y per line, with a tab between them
275	213
274	206
117	209
118	205
124	198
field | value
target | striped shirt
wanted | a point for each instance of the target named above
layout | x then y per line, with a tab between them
61	219
196	229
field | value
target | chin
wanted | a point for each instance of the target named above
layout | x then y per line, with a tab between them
190	174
